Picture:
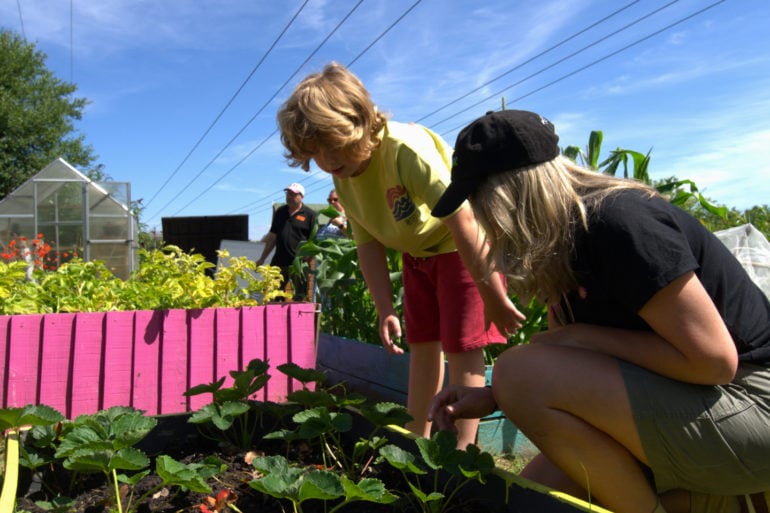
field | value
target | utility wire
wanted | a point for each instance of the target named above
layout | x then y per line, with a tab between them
253	118
227	105
21	19
563	77
563	59
531	59
350	64
526	62
591	64
398	20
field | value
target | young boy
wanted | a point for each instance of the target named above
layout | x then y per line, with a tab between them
389	176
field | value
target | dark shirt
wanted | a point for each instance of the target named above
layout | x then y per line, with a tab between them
290	231
635	246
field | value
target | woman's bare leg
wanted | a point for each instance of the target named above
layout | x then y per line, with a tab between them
572	404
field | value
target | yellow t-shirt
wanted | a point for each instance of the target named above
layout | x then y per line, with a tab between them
392	199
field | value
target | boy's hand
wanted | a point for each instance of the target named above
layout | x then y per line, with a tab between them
390	330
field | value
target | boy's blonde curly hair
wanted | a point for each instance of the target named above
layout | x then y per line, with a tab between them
332	109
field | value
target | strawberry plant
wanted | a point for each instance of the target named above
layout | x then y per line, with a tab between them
12	422
104	442
440	455
230	411
281	480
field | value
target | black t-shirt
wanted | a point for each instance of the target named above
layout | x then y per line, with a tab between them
637	245
290	231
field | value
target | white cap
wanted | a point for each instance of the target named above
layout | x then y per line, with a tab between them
296	189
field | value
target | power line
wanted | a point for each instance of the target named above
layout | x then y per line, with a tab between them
398	20
563	59
593	25
368	47
531	59
591	64
230	101
563	77
255	116
21	19
72	52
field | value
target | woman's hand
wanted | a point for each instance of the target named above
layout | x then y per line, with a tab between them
460	402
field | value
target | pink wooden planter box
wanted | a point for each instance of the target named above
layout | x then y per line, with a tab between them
85	362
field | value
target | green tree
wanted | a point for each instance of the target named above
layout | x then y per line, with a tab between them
37	114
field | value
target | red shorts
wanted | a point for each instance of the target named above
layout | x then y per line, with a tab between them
441	302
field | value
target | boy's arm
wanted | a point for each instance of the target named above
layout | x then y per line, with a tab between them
374	266
473	249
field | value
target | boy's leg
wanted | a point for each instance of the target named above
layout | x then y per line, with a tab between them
467	368
426	376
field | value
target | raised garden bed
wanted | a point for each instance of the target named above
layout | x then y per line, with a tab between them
501	492
84	362
381	376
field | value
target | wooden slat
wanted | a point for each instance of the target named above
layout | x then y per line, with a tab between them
173	363
118	359
201	349
5	325
302	338
23	356
147	329
253	340
87	364
57	348
228	340
277	328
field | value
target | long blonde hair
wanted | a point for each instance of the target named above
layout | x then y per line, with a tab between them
530	217
332	109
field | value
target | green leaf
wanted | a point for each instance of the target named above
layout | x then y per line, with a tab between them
320	484
400	459
368	489
35	415
386	413
174	473
302	375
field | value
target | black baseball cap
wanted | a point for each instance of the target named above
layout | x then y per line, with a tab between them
496	142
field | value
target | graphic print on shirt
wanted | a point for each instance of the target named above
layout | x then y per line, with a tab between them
400	203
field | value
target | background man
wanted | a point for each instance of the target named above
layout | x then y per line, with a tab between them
292	223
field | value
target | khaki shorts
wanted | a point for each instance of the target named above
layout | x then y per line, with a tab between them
708	439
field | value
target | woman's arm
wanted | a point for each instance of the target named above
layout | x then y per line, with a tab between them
689	341
374	266
473	249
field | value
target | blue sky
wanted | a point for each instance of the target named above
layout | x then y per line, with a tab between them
183	93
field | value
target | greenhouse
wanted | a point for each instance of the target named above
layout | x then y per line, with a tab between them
70	215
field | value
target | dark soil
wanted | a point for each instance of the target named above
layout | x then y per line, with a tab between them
183	443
